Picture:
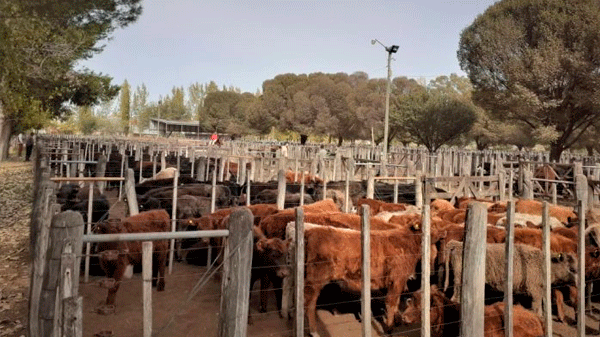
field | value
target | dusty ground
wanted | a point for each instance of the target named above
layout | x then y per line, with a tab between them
196	317
16	179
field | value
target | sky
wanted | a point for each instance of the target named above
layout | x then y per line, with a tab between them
243	43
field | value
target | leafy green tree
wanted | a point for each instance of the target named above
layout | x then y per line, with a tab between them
41	43
536	61
139	104
88	123
434	118
125	107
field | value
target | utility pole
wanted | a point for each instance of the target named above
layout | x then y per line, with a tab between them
384	161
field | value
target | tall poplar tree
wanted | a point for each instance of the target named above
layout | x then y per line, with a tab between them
125	107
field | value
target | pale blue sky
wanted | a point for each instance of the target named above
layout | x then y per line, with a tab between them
243	43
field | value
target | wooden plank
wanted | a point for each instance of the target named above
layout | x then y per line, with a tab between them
365	238
147	288
299	273
72	317
130	193
419	190
547	313
235	286
88	230
174	217
473	271
281	189
510	254
426	272
85	179
370	186
581	272
347	191
66	228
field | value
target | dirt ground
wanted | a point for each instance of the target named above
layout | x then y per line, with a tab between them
16	179
195	316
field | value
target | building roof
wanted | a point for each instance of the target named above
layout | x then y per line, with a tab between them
168	122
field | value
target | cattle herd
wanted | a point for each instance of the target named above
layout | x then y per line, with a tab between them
333	245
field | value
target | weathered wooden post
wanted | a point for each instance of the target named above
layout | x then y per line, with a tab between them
66	228
302	190
510	253
213	193
419	190
347	192
173	218
88	230
201	169
130	193
280	189
299	273
527	185
365	239
581	262
147	287
426	272
235	287
547	271
370	186
163	159
100	172
248	190
581	188
473	271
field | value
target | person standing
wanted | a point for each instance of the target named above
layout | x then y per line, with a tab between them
29	146
20	144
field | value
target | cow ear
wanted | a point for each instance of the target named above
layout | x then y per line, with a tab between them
260	245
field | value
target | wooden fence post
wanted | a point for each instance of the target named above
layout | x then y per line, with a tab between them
299	273
235	287
426	272
365	239
130	193
88	230
347	192
581	263
280	189
173	218
510	253
473	271
581	188
68	321
147	287
370	186
527	185
302	192
547	271
101	172
66	228
419	193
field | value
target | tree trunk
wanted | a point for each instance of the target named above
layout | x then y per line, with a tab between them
555	152
340	140
590	150
6	126
303	139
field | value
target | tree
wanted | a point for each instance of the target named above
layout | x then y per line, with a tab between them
434	118
41	44
139	104
536	61
125	107
88	123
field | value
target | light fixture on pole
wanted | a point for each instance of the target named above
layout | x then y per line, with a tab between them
390	50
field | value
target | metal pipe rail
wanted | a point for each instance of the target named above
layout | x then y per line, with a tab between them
89	179
155	236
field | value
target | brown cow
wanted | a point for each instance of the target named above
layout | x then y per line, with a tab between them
296	177
333	254
377	206
117	258
445	317
534	207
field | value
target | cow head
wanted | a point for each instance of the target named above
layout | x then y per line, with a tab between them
592	262
564	267
272	251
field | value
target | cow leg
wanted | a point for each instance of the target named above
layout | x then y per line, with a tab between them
264	286
112	293
155	270
278	285
560	305
311	294
162	265
392	302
